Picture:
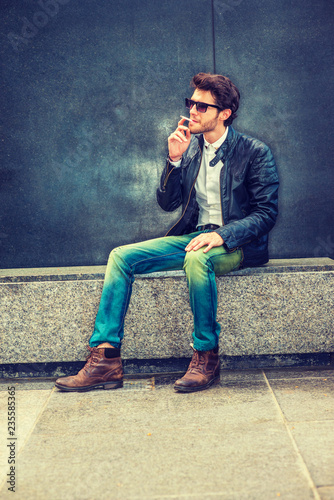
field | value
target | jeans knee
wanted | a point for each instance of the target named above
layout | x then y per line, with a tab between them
195	261
115	255
112	254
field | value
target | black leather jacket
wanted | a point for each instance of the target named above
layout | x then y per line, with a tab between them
248	193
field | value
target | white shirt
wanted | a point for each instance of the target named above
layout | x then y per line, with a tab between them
208	185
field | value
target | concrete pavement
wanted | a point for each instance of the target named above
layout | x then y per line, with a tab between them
260	434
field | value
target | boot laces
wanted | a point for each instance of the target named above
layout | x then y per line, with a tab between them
196	361
93	357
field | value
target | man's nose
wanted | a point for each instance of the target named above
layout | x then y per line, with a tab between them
193	110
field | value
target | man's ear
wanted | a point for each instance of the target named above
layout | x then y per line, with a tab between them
225	114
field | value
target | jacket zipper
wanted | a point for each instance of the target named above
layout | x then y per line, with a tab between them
185	208
167	176
220	194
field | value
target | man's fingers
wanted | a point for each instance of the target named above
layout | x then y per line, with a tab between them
180	135
182	127
195	244
205	239
210	245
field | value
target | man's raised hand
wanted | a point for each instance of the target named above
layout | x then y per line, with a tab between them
179	141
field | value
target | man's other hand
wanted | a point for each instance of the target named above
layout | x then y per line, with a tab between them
210	239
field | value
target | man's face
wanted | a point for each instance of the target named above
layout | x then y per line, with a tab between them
204	122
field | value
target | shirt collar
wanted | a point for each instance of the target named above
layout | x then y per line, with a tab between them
215	145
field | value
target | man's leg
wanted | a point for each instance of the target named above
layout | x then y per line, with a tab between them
201	269
103	367
161	254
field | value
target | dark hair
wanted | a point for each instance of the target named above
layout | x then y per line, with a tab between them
224	92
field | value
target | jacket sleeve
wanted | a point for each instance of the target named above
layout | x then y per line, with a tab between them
169	194
262	188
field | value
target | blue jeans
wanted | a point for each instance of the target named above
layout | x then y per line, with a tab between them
164	254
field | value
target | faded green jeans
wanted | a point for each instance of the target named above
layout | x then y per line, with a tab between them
164	254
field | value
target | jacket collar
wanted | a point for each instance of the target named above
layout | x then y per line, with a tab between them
225	149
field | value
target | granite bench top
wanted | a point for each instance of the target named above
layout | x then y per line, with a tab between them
97	272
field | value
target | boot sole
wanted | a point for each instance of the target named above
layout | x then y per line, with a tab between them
215	380
103	385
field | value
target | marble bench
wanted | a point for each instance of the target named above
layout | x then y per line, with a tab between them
281	313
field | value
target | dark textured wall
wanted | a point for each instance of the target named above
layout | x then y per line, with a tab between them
91	89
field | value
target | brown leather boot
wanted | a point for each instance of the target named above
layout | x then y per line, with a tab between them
98	372
202	372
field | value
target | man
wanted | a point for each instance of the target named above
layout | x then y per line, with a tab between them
227	185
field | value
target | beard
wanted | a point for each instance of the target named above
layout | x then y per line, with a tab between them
201	128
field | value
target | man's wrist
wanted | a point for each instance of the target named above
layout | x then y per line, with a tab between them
174	160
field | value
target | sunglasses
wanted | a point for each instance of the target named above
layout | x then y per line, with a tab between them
200	106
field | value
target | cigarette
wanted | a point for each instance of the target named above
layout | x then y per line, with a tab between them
189	119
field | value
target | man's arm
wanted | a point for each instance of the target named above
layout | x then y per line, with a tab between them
169	195
262	187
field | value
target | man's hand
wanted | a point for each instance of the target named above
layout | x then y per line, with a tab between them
178	142
210	239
